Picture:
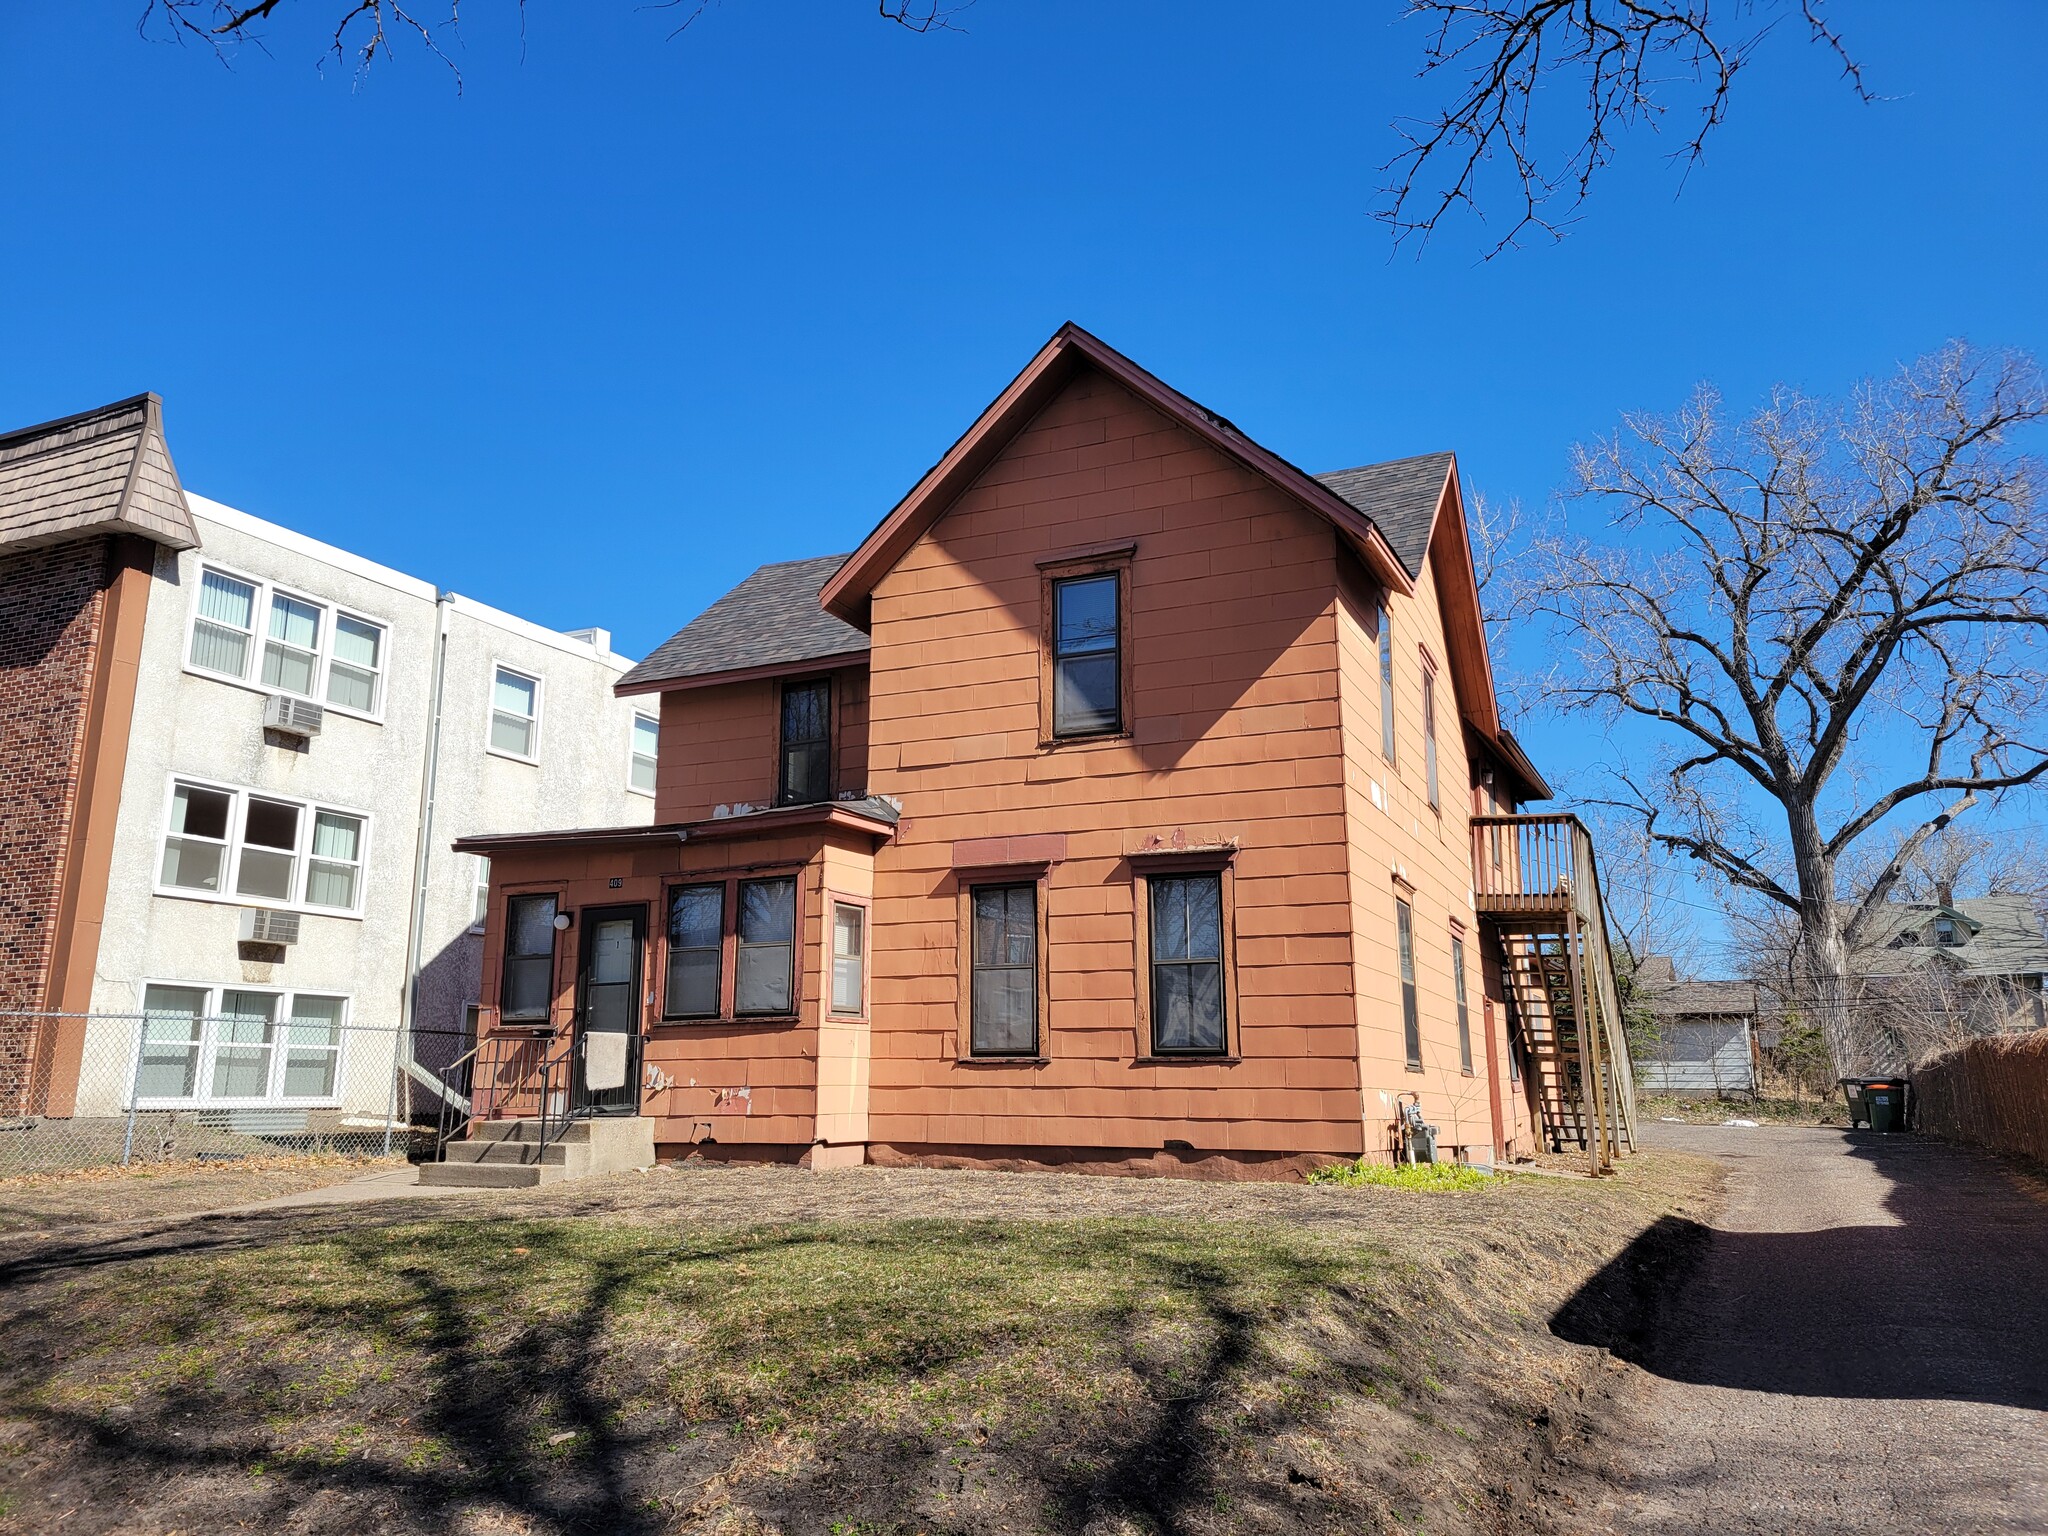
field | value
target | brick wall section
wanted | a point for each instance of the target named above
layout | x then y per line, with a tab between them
51	605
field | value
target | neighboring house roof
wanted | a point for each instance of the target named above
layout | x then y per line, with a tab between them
100	472
1401	497
769	622
1671	998
2001	936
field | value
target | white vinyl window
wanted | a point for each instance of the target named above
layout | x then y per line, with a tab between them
248	631
646	740
238	1046
515	715
482	909
226	842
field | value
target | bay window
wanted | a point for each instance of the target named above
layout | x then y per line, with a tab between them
264	848
744	929
764	967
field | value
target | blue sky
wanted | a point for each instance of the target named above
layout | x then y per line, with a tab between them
629	314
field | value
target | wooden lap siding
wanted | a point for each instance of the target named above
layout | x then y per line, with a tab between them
719	744
1235	736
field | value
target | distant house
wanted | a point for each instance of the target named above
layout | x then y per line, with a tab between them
1982	957
1706	1033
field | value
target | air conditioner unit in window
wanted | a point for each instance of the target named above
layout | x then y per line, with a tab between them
294	717
261	925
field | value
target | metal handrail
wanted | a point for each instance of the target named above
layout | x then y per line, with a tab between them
554	1105
457	1109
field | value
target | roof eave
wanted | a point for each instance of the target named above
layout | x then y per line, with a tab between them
837	661
711	829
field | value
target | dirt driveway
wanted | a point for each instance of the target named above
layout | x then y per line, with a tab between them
1859	1343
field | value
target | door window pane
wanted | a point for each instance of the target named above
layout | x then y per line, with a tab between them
170	1042
849	957
1004	971
244	1037
763	978
1187	963
528	984
611	975
196	847
696	930
312	1047
806	743
337	859
226	620
352	674
646	738
290	654
1411	1018
270	839
515	702
1087	666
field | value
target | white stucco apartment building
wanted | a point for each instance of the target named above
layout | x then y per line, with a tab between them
310	732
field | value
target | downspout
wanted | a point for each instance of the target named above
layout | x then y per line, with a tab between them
402	1059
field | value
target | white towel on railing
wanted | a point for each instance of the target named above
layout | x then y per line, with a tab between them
604	1059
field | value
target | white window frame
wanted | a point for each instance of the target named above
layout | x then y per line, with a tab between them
231	859
273	1096
259	635
632	752
540	690
480	894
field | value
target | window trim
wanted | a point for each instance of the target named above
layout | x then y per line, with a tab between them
723	885
1406	973
1175	865
1432	751
796	944
545	1020
820	680
833	902
1461	998
209	1043
728	946
231	858
1003	878
491	748
1389	737
1051	573
252	680
632	748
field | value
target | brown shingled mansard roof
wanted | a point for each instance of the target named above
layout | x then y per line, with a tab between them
102	471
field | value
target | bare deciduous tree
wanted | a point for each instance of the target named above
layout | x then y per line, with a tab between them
1834	611
1622	62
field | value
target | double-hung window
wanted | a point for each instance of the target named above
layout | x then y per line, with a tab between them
646	743
1003	977
849	958
806	743
481	912
696	951
728	927
221	841
515	715
1087	655
1411	1017
1429	733
1386	623
247	630
527	982
1464	1009
764	967
1186	951
228	1045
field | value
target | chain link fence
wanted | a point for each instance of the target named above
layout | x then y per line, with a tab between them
85	1090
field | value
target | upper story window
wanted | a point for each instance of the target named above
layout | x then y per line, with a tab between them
292	644
646	742
1386	621
220	842
1087	654
1429	732
482	909
515	715
806	774
1945	931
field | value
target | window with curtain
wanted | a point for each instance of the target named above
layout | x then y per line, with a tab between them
1429	733
646	745
356	671
312	1047
1003	980
849	957
1464	1010
278	852
244	1037
1187	964
806	743
1411	1018
204	1044
291	648
335	870
696	938
225	626
526	989
764	969
515	714
171	1042
1087	670
1386	623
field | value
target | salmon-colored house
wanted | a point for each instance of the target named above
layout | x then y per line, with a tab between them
1128	800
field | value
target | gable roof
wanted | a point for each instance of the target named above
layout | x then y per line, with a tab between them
769	623
1071	350
1401	497
99	472
2002	937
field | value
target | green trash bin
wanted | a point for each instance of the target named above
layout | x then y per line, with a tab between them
1878	1102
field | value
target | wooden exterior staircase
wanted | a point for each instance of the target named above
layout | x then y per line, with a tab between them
1537	888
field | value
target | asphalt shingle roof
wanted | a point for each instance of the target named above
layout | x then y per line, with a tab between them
2008	940
100	472
771	619
1400	496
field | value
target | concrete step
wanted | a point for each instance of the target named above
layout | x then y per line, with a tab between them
488	1175
506	1154
514	1153
528	1130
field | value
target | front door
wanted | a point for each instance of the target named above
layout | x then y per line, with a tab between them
608	986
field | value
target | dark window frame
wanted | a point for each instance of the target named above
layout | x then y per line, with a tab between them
669	893
784	745
794	945
1053	574
973	965
1147	869
507	959
1154	884
730	880
1411	1012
